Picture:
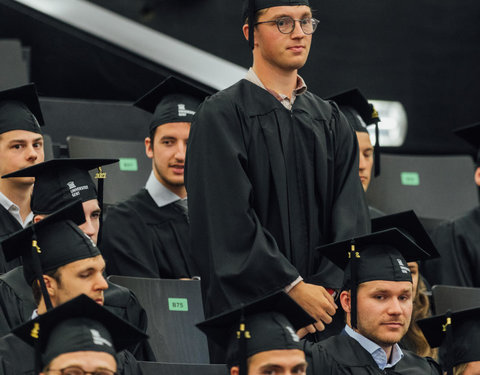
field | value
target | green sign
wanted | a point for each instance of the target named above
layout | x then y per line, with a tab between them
178	304
128	164
410	178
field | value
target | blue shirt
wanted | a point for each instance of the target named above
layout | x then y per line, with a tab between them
160	194
377	353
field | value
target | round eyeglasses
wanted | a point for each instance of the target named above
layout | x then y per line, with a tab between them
74	370
286	24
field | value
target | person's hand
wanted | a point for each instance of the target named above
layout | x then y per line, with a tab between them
316	301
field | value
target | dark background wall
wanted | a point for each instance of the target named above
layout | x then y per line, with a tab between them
423	53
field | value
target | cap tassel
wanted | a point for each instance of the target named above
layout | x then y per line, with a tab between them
35	333
353	255
447	328
37	267
242	336
376	148
100	176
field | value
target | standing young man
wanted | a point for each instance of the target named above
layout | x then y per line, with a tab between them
21	145
272	173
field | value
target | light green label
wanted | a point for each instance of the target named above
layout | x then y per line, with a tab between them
178	304
128	164
410	178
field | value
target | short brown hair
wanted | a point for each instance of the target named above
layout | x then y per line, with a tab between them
37	290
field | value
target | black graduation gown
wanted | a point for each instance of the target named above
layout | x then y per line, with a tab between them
266	186
17	355
8	225
342	354
458	242
17	306
144	240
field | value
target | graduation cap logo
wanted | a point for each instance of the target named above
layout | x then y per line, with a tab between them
98	339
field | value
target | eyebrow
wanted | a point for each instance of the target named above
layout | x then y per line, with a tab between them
26	140
304	15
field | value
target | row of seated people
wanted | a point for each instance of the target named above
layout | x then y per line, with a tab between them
142	233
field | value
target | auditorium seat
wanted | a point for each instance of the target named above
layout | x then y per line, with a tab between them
47	147
124	178
437	187
13	67
173	308
465	298
161	368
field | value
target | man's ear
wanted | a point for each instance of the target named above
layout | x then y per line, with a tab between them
345	300
245	29
148	148
51	285
477	176
234	370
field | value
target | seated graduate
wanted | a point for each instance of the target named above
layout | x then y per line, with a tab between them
458	240
260	337
80	337
60	262
377	300
59	182
21	145
457	332
360	113
154	236
409	224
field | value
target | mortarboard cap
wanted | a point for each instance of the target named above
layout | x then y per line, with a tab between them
59	241
409	224
59	181
173	100
250	7
356	108
20	110
471	134
268	323
377	256
360	113
78	325
457	333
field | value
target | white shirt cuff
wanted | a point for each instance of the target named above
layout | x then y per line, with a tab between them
289	287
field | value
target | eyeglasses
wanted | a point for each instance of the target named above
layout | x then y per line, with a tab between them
74	370
286	24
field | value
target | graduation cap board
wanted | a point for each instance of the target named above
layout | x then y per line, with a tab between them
377	256
51	243
265	324
59	181
471	134
173	100
20	110
250	7
410	225
77	325
457	333
360	113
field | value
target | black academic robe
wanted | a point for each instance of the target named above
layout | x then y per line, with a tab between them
17	306
17	355
266	186
144	240
458	242
342	354
8	225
